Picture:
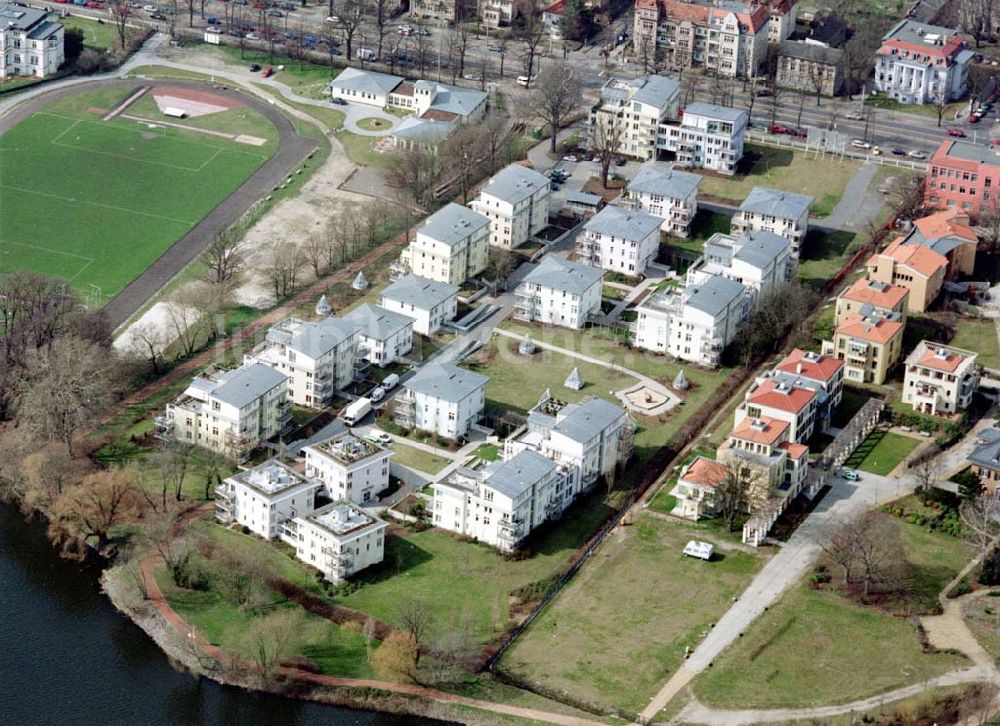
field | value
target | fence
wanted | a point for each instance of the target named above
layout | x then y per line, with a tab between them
782	141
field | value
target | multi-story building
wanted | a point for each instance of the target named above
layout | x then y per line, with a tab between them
497	13
919	269
696	488
869	344
620	240
814	370
263	498
451	246
665	193
985	460
443	399
809	67
779	399
631	111
516	201
317	357
940	379
384	337
920	63
430	304
339	539
961	175
593	436
760	261
866	295
503	502
558	292
773	210
709	137
349	467
761	449
948	233
229	411
31	44
781	24
727	37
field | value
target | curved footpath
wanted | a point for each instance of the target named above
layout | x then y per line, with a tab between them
291	152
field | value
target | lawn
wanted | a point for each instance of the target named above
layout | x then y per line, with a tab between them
488	452
131	194
235	121
793	171
361	150
372	124
981	337
881	452
703	226
330	117
418	459
817	648
97	35
293	72
823	254
622	624
851	402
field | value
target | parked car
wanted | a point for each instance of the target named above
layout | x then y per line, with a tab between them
390	381
570	157
850	474
380	437
254	67
777	129
525	80
957	133
338	101
268	72
153	16
275	13
149	8
496	48
764	92
896	151
917	154
376	394
212	20
973	118
620	161
860	144
854	116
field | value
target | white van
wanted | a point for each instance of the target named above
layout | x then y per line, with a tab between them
525	80
376	394
701	550
390	382
366	55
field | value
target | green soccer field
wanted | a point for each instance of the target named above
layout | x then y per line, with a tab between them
97	202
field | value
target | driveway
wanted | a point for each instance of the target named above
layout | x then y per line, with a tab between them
358	111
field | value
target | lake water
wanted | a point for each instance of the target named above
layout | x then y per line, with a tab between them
68	657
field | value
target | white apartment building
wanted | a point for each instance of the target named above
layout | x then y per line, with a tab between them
593	435
940	379
631	110
709	137
665	193
263	498
781	24
497	13
760	261
502	503
620	240
558	292
349	467
229	411
823	373
384	337
316	357
30	43
443	399
451	246
920	63
430	304
339	540
773	210
516	201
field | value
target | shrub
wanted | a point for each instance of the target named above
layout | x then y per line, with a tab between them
989	572
962	588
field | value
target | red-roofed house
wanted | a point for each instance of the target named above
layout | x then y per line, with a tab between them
939	378
781	400
949	233
552	17
760	450
730	40
695	490
918	268
920	63
869	344
884	298
822	371
964	176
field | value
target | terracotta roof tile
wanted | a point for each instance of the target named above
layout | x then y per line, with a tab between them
783	398
878	294
881	332
948	222
917	257
796	451
705	472
764	430
823	369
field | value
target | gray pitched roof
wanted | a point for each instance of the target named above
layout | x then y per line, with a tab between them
559	274
446	381
760	249
452	99
514	183
910	31
810	51
583	421
776	203
653	179
987	454
419	292
453	224
422	130
585	198
624	223
246	384
941	245
655	90
722	113
18	17
714	295
312	338
356	79
44	30
372	321
517	475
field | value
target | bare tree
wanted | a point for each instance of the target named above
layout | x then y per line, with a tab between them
148	341
186	324
980	518
496	139
464	154
223	258
975	17
867	549
532	33
397	658
416	616
733	494
48	472
927	471
607	134
283	268
557	94
351	14
120	13
988	224
314	250
243	572
382	10
173	461
93	508
423	49
277	636
458	48
418	172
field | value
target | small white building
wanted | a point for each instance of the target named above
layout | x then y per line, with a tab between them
709	137
229	411
777	211
558	292
760	261
516	201
452	246
349	467
263	498
443	399
31	43
620	240
361	86
339	540
632	110
317	357
665	193
431	304
384	337
940	379
503	502
921	63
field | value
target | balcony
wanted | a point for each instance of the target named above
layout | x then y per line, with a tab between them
164	427
405	412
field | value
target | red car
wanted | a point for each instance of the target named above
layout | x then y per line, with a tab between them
973	118
268	72
775	129
957	133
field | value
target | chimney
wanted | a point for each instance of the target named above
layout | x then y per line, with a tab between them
798	368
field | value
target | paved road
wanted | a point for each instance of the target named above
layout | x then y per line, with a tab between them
858	203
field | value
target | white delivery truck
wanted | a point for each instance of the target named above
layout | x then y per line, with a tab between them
356	411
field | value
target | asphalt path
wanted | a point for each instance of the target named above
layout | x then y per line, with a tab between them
291	152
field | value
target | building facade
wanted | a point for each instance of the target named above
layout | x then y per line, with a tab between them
430	304
869	344
349	467
774	210
709	137
985	460
558	292
920	63
960	175
31	44
443	399
665	193
940	379
631	111
865	295
263	498
384	337
451	246
339	540
919	269
620	240
810	68
760	261
516	201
